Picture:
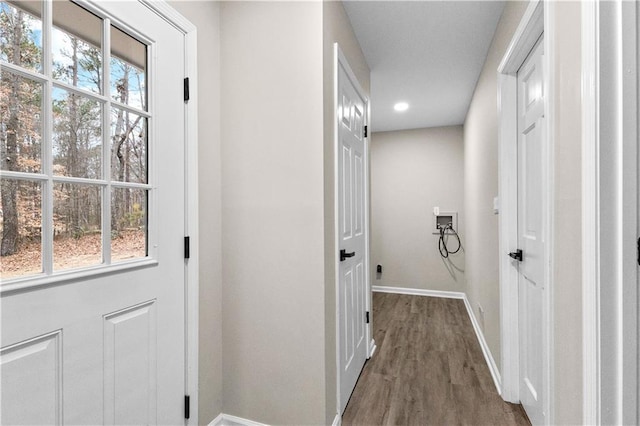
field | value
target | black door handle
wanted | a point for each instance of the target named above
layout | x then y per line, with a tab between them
517	255
344	254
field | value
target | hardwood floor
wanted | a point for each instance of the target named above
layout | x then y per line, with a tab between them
428	369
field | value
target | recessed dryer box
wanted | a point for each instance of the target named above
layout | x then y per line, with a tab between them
443	219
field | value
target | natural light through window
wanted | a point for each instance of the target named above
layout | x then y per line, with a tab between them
74	137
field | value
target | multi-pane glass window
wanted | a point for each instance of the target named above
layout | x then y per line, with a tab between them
74	140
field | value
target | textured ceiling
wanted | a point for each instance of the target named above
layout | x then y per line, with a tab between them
426	53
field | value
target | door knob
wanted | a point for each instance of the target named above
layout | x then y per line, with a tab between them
344	254
517	255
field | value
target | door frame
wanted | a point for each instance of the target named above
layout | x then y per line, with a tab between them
534	23
191	271
610	51
340	60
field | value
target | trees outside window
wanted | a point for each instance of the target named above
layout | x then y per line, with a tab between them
76	185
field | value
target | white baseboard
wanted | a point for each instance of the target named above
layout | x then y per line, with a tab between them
228	420
337	421
419	292
491	363
372	348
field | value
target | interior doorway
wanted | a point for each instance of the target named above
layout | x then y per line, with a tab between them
352	228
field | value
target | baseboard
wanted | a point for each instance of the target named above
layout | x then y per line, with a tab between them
337	421
372	348
491	363
228	420
419	292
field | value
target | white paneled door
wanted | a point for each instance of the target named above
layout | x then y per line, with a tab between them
351	234
530	232
96	335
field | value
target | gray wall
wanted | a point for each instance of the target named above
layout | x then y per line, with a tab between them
567	223
412	171
336	28
481	184
272	212
206	17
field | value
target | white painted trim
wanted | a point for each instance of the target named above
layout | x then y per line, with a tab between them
340	60
419	292
549	210
372	348
229	420
336	216
538	19
488	357
524	38
337	420
590	217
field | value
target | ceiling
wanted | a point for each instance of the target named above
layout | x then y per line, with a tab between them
426	53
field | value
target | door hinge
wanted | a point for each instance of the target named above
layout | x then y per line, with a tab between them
367	317
187	247
638	251
186	89
366	131
187	407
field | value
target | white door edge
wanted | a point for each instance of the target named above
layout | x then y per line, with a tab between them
340	60
590	207
536	20
610	321
162	8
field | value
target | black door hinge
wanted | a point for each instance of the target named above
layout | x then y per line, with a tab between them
186	247
638	251
367	316
187	407
186	89
366	131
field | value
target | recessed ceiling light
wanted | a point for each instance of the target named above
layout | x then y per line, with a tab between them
401	106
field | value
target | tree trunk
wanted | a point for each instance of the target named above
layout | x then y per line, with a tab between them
9	189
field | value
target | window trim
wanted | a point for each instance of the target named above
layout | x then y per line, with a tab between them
49	276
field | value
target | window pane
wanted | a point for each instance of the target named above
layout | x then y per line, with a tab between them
76	46
128	223
21	123
77	224
128	70
21	33
77	135
128	147
21	228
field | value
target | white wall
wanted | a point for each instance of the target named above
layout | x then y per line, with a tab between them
413	171
481	183
272	212
206	17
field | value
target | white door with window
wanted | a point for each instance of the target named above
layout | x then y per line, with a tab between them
352	242
530	233
93	214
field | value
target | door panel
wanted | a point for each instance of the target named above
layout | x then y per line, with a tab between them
108	348
352	285
530	232
33	368
130	365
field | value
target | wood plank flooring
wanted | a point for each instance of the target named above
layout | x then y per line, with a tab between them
428	369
